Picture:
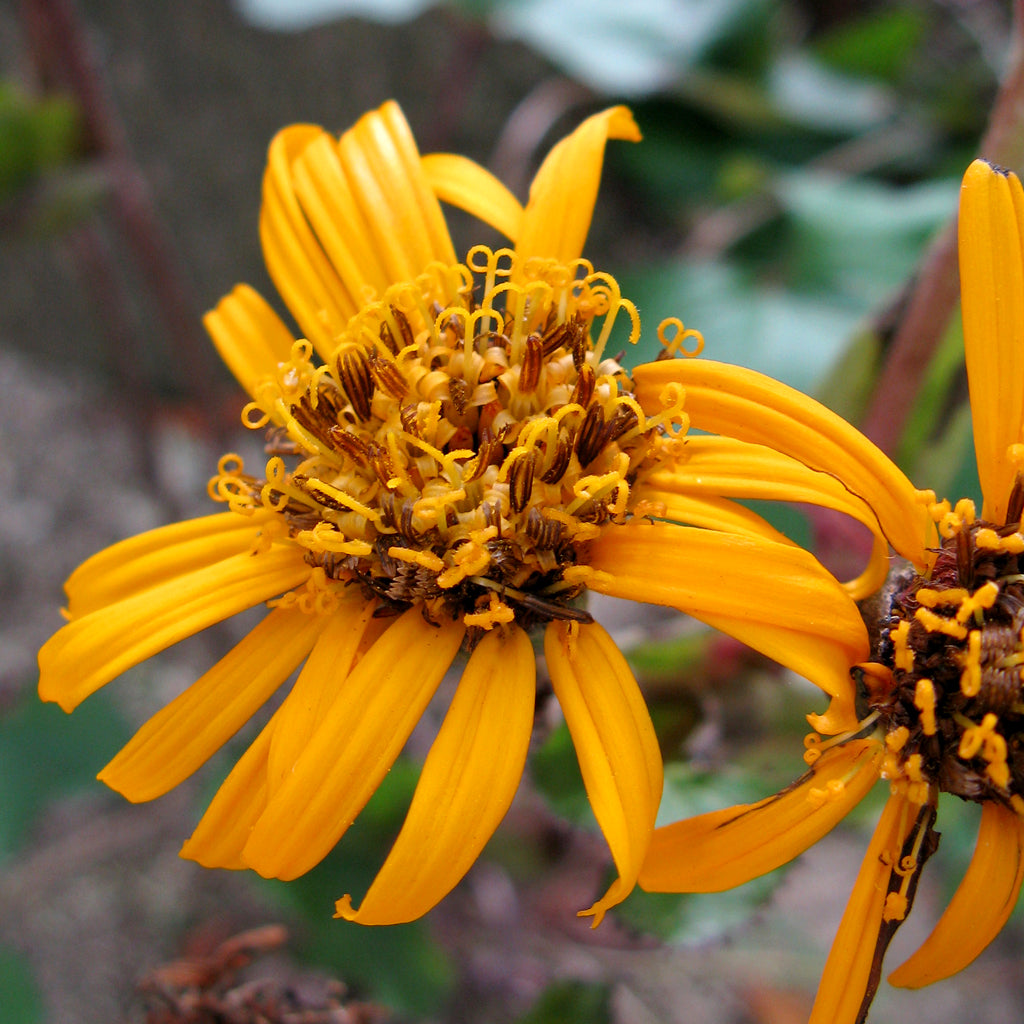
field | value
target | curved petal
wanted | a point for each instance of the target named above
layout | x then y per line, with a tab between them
250	337
774	597
90	651
710	512
188	731
615	745
223	831
469	779
465	184
138	563
358	740
979	908
726	467
564	190
319	684
850	974
991	237
741	403
726	848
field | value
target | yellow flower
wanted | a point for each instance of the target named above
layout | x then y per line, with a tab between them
453	457
941	706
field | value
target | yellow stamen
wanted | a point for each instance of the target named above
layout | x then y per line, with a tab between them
970	678
937	624
924	701
904	655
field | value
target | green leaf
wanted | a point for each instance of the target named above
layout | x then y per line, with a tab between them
46	754
556	774
571	1002
874	45
20	997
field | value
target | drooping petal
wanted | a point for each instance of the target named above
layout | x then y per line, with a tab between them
615	745
726	848
747	405
90	651
319	684
710	513
465	184
991	238
357	742
564	190
138	563
250	337
189	730
979	908
469	779
726	467
848	971
774	597
223	831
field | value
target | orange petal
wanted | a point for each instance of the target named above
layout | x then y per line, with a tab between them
740	403
564	190
726	848
847	977
615	744
469	779
775	597
90	651
362	733
464	183
189	730
991	230
979	908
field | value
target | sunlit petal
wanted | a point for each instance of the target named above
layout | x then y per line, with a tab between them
564	190
615	744
188	731
469	779
979	908
465	184
710	513
747	405
726	848
357	742
991	230
90	651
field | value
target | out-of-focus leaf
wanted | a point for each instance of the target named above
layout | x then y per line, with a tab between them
556	774
46	754
809	94
19	994
298	15
876	45
571	1002
399	966
36	135
792	337
688	919
628	50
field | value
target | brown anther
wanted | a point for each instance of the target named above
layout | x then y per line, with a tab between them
560	462
545	533
1015	504
351	444
458	392
404	327
533	361
380	462
388	339
409	415
583	392
623	420
354	376
314	489
520	480
590	438
491	514
965	559
456	325
388	376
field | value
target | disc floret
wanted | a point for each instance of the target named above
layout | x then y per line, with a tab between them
461	444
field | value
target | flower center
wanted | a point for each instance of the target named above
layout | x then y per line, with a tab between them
947	685
462	443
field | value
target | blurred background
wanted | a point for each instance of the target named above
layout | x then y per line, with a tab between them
799	169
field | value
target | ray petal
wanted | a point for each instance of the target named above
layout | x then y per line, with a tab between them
979	908
90	651
615	745
188	731
564	190
991	234
469	779
740	403
357	742
726	848
465	184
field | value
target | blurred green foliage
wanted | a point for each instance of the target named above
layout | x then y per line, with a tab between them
19	994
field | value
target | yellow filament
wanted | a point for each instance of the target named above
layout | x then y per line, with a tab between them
924	701
970	678
937	624
904	655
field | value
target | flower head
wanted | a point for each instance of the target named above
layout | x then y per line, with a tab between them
939	705
453	457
